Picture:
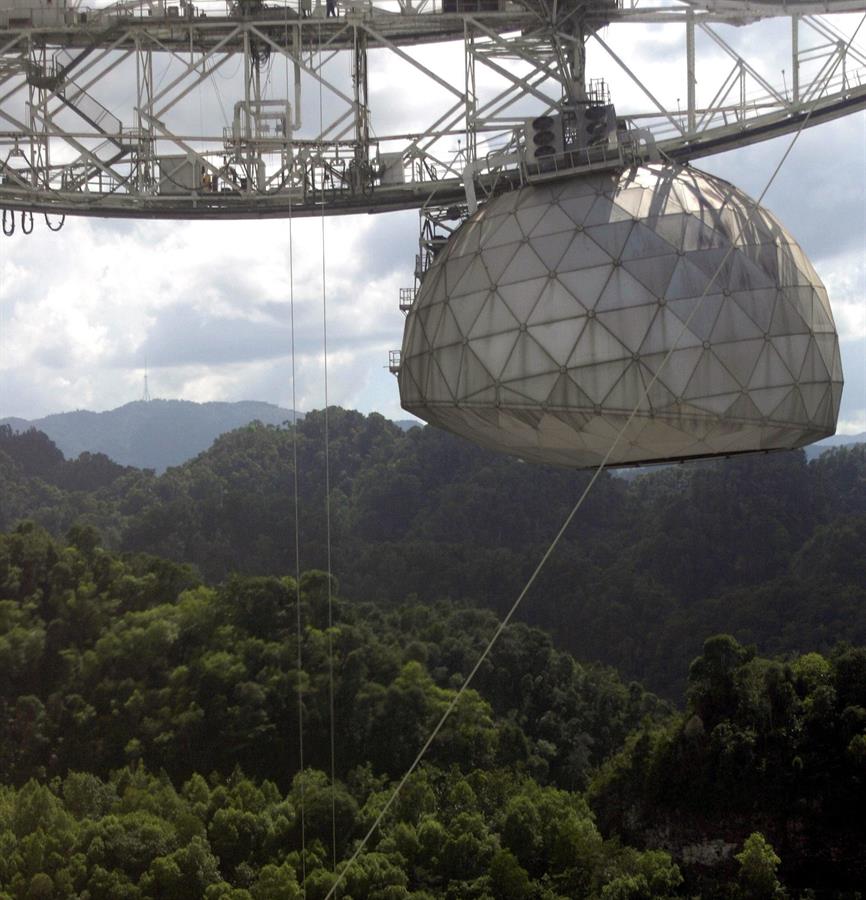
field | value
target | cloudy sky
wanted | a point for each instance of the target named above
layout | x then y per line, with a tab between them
207	304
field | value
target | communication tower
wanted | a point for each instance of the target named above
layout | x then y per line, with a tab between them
145	395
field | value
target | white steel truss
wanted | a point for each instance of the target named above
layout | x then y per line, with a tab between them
244	109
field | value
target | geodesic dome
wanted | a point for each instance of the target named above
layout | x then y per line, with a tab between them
543	321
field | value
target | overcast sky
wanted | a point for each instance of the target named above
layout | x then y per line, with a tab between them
207	303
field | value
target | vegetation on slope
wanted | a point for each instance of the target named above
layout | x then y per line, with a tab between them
115	668
149	748
777	746
764	547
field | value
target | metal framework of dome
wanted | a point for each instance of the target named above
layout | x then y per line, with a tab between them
541	325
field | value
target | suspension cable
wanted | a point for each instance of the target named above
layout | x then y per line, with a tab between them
299	632
504	623
331	718
299	629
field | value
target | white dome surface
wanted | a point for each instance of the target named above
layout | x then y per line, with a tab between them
547	315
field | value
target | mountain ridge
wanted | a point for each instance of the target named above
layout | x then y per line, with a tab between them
153	434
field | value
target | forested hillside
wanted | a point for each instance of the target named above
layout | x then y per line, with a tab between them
150	748
149	741
768	548
777	746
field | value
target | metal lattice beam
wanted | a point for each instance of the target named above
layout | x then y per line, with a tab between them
138	111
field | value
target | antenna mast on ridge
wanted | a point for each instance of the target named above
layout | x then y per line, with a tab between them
146	394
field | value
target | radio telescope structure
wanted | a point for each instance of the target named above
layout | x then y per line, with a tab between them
472	111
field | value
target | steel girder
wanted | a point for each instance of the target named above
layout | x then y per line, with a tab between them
243	110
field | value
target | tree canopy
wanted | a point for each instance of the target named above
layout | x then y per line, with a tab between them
765	547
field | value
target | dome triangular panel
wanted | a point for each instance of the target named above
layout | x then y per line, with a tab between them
494	318
622	291
529	217
611	238
687	281
528	358
493	352
813	395
509	232
669	228
744	408
759	306
718	404
551	249
559	339
710	377
467	240
596	381
536	388
429	319
586	284
475	278
474	376
449	331
828	345
555	304
821	318
628	392
629	325
653	273
668	331
770	370
465	309
554	221
740	358
577	208
497	260
521	298
733	324
583	253
767	399
792	348
699	314
524	266
674	371
567	394
644	243
658	394
443	375
786	320
629	201
791	409
596	345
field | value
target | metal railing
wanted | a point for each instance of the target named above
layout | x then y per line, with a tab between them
407	298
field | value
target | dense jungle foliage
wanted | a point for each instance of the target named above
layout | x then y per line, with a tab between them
112	669
149	748
767	547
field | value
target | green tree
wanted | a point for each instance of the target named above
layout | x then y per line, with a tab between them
758	861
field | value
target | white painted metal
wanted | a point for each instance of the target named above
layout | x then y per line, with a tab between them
92	99
557	310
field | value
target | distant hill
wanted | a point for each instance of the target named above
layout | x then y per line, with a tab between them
837	440
150	435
